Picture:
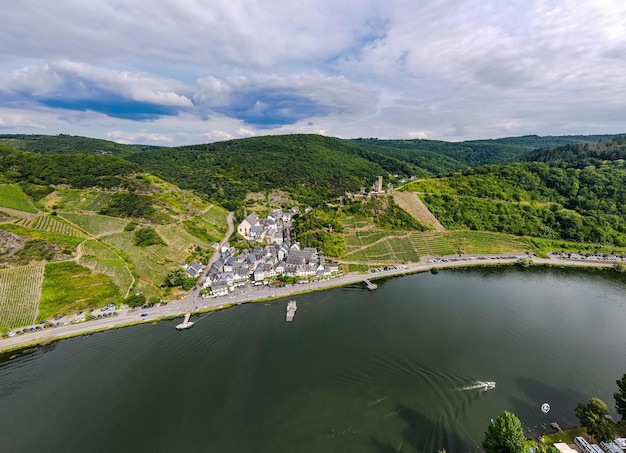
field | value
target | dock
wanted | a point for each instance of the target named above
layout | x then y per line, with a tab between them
186	324
371	286
291	310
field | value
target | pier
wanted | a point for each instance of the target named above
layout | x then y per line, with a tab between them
186	324
291	310
371	286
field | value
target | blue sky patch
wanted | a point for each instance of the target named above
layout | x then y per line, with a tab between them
271	108
116	107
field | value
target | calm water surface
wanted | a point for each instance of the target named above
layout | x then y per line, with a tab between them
356	371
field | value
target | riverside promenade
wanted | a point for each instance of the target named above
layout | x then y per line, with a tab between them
195	303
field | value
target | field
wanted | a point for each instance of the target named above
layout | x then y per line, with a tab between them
11	196
51	224
95	224
20	289
96	203
217	217
484	242
367	243
151	263
178	239
100	258
431	244
68	287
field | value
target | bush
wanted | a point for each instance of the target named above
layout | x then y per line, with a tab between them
136	300
147	236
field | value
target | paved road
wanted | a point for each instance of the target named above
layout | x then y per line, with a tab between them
251	293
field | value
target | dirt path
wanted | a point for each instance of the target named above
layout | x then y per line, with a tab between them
413	204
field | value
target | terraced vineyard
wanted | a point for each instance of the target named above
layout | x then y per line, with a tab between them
12	197
485	242
151	263
49	223
217	216
100	258
95	224
98	201
178	239
20	290
431	244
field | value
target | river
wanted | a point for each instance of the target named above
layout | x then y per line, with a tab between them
356	371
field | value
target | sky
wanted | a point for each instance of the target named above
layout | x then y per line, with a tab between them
176	72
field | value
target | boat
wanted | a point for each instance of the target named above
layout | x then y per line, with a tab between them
291	310
186	324
487	385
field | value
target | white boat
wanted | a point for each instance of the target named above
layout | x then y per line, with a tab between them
186	324
487	385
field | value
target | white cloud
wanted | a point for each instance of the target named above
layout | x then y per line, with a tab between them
139	137
73	79
469	68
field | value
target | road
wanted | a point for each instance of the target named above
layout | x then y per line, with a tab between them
195	302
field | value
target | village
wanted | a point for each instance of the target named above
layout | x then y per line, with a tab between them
274	261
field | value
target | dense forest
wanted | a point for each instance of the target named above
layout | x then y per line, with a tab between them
580	155
312	168
68	144
440	157
77	170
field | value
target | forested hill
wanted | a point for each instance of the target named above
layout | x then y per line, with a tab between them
77	170
440	156
69	144
311	167
580	155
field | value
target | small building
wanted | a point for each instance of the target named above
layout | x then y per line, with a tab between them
194	269
219	288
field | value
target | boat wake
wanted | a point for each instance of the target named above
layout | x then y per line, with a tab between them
478	385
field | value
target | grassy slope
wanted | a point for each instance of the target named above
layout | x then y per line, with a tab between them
68	287
12	196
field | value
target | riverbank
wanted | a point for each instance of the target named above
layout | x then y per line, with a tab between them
251	294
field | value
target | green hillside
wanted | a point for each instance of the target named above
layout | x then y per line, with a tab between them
458	155
311	167
580	155
67	144
82	221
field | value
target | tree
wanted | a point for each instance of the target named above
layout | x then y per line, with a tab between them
147	236
505	435
593	417
176	276
135	300
620	397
